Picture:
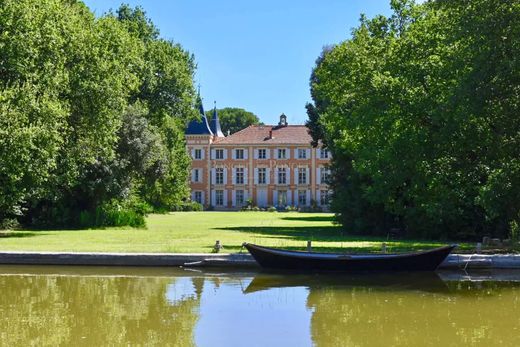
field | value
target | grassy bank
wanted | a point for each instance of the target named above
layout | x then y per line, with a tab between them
196	232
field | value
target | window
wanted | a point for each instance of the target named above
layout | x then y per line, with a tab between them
219	197
198	197
302	197
282	197
302	153
324	153
239	195
198	153
262	175
219	154
262	153
196	175
239	175
324	179
282	175
239	154
302	175
281	153
324	197
219	175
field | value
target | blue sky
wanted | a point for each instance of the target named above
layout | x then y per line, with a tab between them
257	55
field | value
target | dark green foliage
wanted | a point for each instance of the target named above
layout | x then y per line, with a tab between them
420	111
234	119
91	115
188	207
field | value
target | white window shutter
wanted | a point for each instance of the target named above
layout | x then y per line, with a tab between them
202	201
275	198
212	156
255	174
225	176
288	153
318	175
234	175
276	175
255	153
296	181
213	174
289	197
296	153
268	176
225	153
192	196
246	153
307	176
233	198
318	153
192	153
246	181
202	153
193	175
318	197
308	198
308	153
233	153
268	153
225	198
213	199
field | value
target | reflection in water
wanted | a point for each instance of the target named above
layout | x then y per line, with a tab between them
131	306
95	311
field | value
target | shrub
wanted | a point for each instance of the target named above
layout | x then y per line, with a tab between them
113	214
271	209
188	206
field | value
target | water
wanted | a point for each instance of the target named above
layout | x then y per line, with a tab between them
99	306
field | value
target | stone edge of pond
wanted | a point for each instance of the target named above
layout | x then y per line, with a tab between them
234	260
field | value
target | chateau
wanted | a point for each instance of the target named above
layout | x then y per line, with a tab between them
272	165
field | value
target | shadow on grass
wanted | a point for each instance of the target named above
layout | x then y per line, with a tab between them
311	219
17	234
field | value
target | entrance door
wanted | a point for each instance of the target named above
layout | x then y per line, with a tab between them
261	197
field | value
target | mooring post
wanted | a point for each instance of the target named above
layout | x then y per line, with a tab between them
309	246
217	246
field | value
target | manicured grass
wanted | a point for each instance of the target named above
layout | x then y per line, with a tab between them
196	232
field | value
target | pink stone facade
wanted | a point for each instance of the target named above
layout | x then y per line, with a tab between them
272	165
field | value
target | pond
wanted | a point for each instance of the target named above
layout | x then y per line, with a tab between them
99	306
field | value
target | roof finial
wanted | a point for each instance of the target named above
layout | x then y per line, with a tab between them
215	104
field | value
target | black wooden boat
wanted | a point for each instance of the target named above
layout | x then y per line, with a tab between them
273	258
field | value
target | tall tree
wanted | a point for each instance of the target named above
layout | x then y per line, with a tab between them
92	113
233	119
414	108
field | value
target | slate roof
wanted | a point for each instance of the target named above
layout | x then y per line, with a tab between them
199	127
259	135
215	124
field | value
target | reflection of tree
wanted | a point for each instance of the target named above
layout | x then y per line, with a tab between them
96	311
366	317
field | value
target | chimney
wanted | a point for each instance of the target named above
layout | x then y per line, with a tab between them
270	134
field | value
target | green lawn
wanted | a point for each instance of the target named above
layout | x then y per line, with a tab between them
196	232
